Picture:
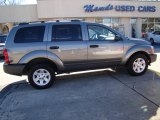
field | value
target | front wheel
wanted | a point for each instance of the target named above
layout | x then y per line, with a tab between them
137	65
41	76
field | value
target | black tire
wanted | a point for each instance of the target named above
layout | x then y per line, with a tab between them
130	65
51	79
152	41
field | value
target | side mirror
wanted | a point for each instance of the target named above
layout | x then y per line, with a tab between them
117	38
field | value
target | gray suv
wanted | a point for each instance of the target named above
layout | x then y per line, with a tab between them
41	50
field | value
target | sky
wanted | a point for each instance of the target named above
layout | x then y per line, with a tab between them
29	2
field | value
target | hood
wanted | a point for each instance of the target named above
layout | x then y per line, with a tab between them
139	41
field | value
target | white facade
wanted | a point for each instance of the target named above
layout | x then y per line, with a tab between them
130	19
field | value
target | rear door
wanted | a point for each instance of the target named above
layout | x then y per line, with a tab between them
26	39
67	42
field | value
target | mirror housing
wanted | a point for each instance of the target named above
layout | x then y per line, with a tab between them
117	38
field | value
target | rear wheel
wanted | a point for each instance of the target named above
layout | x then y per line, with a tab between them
41	76
138	65
152	41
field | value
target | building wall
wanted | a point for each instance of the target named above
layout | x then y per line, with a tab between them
18	13
52	9
74	8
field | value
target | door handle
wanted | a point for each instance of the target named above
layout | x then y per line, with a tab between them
54	47
94	46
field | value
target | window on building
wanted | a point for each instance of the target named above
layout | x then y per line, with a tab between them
30	34
111	22
144	20
66	33
107	22
99	20
133	20
151	20
100	33
157	20
144	27
157	26
150	24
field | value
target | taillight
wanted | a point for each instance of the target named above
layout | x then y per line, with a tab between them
6	56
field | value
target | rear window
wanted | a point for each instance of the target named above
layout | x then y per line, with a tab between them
30	34
66	33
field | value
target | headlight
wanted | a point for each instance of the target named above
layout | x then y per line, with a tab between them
151	50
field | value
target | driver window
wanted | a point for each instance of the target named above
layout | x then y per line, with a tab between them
100	33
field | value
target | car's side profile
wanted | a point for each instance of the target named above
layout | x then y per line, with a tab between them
40	50
154	37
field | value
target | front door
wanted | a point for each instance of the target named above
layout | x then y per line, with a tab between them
103	49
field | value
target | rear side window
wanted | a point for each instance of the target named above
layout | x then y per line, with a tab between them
66	33
30	34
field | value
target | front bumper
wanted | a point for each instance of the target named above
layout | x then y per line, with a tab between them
14	69
153	57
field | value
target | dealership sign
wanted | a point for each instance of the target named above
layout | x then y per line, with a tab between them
121	8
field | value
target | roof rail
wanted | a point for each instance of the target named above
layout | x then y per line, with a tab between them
25	23
75	20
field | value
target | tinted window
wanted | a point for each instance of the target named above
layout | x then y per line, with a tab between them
66	33
100	33
30	34
3	39
157	33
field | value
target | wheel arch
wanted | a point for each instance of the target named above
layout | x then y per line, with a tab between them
139	52
37	61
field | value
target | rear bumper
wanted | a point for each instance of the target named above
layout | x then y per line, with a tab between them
153	57
13	69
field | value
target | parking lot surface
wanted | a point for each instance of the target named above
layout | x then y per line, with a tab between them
108	94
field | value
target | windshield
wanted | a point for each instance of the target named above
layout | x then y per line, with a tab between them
2	39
